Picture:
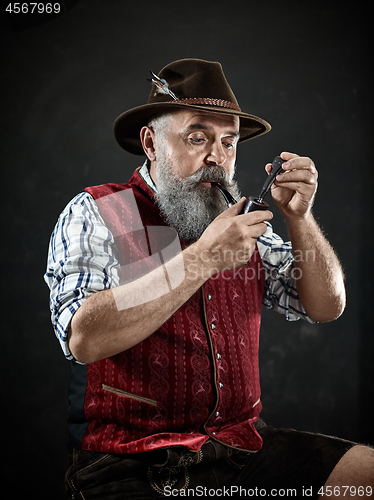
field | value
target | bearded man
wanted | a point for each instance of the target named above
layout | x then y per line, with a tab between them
156	296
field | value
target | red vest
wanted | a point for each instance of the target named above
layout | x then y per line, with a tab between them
196	377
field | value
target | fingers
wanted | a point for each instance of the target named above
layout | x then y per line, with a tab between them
249	218
288	156
294	162
256	217
250	225
234	209
300	175
268	168
298	170
296	177
253	223
235	232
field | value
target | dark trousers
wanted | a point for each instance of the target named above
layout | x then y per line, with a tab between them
290	464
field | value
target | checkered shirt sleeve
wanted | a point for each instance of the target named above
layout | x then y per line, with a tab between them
82	260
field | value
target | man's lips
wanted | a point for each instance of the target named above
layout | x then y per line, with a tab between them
208	182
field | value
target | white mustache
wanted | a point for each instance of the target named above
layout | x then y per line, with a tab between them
206	173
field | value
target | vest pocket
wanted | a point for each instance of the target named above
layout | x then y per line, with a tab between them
125	394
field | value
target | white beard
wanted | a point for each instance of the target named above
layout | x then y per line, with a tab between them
187	205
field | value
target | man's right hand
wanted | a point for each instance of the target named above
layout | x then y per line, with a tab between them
230	240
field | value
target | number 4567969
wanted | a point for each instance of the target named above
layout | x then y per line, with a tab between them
348	491
33	8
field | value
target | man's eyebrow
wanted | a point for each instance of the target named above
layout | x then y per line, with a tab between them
197	126
201	126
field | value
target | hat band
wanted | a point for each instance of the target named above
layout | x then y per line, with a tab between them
208	101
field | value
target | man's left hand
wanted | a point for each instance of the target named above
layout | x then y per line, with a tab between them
294	191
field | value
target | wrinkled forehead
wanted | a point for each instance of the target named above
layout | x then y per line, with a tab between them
186	118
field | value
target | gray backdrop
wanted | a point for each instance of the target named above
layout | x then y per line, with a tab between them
303	66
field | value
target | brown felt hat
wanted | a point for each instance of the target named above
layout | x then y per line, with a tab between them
194	83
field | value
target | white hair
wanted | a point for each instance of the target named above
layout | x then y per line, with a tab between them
160	125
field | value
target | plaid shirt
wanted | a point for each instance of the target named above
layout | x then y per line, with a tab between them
82	260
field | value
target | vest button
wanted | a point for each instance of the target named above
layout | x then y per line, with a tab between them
217	413
209	297
213	326
218	355
220	385
214	433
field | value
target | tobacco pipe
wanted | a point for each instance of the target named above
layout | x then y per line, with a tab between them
254	203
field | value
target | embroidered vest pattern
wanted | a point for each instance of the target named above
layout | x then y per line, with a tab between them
195	378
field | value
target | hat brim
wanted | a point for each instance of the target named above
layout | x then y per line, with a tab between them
127	126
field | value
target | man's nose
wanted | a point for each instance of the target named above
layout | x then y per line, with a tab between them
216	155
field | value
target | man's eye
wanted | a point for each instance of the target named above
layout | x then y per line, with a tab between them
228	145
197	140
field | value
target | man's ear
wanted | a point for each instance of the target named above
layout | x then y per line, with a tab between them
147	136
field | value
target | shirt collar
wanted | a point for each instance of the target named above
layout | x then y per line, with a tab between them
144	172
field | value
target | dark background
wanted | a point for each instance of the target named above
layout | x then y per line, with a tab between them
306	67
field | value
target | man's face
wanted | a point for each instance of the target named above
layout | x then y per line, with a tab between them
195	149
195	139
